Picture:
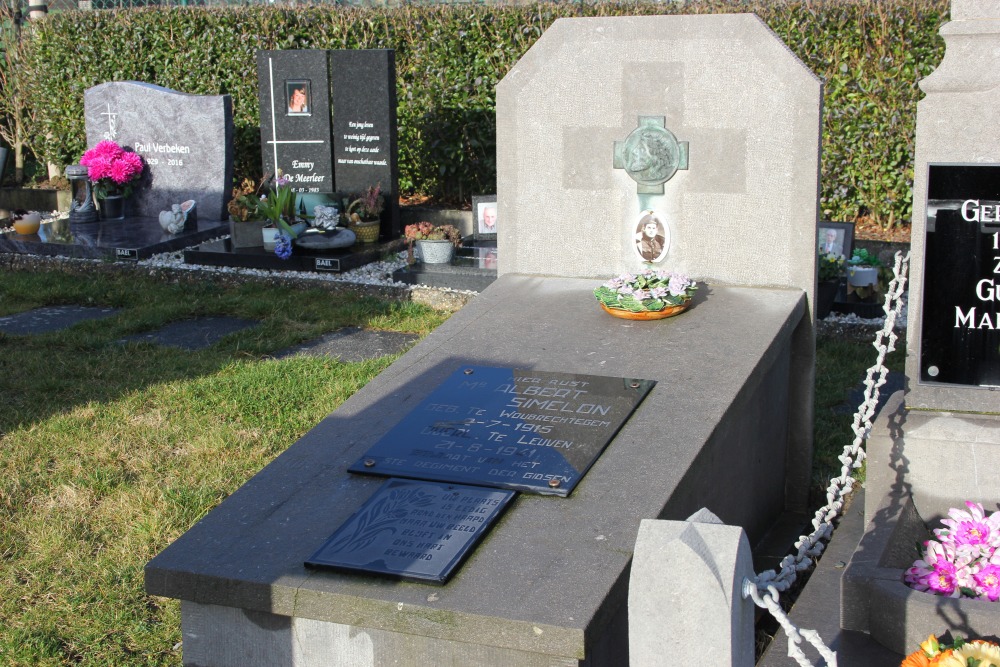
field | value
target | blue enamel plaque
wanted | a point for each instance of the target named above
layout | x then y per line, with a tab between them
524	430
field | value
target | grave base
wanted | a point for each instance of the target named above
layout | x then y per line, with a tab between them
912	482
474	268
133	238
221	253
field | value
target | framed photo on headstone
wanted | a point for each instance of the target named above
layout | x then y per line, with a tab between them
298	96
484	210
836	238
960	318
652	237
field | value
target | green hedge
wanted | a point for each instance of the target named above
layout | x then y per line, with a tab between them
449	59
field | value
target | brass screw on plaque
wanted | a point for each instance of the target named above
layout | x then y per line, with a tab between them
634	385
369	463
468	371
554	483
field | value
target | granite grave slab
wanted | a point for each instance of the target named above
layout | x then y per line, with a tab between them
196	334
355	344
185	140
219	252
51	318
127	240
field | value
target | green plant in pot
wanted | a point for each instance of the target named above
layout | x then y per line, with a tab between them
363	213
831	271
867	277
437	243
278	208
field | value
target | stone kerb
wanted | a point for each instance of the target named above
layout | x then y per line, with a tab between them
675	563
185	140
745	210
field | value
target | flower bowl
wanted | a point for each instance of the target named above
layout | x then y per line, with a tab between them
648	295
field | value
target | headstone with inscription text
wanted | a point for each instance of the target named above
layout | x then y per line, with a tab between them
294	95
363	83
185	140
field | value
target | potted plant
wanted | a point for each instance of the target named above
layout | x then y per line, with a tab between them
436	243
363	213
831	271
278	209
246	224
864	277
649	295
112	170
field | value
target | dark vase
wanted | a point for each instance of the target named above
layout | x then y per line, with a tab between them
112	207
826	292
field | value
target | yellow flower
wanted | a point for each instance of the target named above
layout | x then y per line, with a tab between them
931	646
987	652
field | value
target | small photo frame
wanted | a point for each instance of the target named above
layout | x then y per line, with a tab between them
484	207
835	238
651	237
298	97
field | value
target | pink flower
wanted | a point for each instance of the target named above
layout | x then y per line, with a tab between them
937	572
988	582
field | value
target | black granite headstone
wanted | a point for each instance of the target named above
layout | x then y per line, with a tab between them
413	530
524	430
960	324
294	94
185	140
363	84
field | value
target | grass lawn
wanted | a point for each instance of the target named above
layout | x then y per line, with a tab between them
111	451
108	452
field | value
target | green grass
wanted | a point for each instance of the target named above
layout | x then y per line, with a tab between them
109	452
840	366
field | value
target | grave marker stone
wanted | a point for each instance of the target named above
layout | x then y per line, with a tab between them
363	84
185	140
294	95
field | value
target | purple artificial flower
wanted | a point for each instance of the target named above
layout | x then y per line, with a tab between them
283	247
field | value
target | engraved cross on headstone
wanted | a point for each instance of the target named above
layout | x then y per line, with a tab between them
651	155
274	142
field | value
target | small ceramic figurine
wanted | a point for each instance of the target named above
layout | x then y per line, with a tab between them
172	221
325	217
187	208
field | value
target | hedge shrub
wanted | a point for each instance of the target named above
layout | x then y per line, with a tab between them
449	59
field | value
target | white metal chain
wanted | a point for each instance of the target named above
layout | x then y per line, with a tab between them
812	545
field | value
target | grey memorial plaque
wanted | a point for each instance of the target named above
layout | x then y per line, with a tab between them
294	95
413	530
525	430
185	140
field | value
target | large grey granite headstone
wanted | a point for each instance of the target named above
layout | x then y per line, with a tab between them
744	211
294	95
364	126
185	140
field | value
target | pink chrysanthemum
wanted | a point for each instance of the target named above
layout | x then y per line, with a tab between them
111	167
987	582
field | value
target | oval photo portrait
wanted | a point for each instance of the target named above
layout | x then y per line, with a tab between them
651	237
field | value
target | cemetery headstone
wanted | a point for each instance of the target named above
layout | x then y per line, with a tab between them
185	140
294	95
363	83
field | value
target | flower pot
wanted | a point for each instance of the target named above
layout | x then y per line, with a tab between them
862	276
112	207
669	311
826	292
436	252
246	234
366	231
269	237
